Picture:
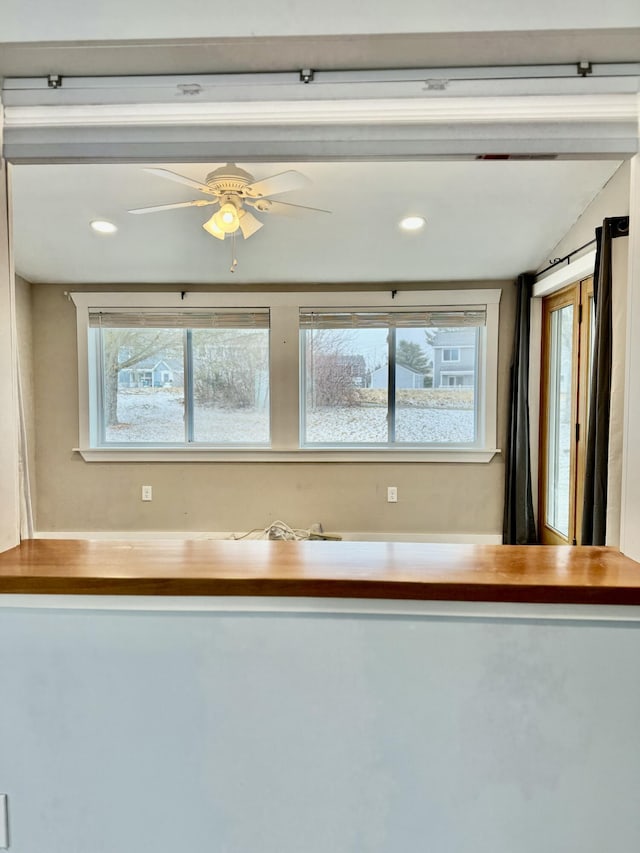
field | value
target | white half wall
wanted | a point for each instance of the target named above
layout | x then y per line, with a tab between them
282	732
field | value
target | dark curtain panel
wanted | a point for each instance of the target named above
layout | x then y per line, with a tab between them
519	527
594	508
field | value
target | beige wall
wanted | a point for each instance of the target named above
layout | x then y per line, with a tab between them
74	495
612	200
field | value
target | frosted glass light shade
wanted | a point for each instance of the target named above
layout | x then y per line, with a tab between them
212	228
227	218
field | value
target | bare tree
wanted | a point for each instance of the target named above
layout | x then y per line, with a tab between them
125	348
334	372
229	366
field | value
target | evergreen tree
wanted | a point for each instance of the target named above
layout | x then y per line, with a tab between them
412	355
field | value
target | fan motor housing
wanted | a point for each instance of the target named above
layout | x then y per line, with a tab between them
228	179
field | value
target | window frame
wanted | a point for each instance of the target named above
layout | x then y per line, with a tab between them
392	406
98	426
284	370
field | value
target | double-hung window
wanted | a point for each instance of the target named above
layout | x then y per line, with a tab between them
348	376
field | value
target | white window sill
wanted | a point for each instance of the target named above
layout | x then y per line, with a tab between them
137	454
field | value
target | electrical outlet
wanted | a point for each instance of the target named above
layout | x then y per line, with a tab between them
392	495
147	493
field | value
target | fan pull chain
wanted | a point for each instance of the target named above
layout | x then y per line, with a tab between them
234	260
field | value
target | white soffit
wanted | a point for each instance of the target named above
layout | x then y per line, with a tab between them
358	114
425	85
379	111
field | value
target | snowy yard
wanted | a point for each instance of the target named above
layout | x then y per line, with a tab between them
369	424
156	415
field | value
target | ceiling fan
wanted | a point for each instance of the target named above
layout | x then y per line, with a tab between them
235	190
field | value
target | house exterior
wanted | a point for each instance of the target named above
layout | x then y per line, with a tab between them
152	373
337	365
454	358
405	377
355	367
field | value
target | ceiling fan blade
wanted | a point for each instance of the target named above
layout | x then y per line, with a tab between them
155	208
283	182
249	224
180	179
285	208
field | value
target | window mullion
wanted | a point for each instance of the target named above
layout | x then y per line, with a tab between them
188	384
284	361
391	389
99	385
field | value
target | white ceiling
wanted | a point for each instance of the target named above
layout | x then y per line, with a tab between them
75	20
485	220
322	53
151	37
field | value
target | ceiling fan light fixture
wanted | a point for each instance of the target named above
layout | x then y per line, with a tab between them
211	226
227	218
230	188
412	223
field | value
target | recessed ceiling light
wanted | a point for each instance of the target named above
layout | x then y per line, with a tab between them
103	227
412	223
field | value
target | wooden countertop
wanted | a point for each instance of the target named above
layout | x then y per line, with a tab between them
391	570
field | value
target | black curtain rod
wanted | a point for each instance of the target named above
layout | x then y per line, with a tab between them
556	261
619	227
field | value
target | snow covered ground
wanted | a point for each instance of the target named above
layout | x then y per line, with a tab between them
155	415
364	425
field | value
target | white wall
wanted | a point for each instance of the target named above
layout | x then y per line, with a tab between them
66	20
324	733
25	367
630	531
9	502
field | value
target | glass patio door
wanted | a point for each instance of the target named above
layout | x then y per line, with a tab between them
566	346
